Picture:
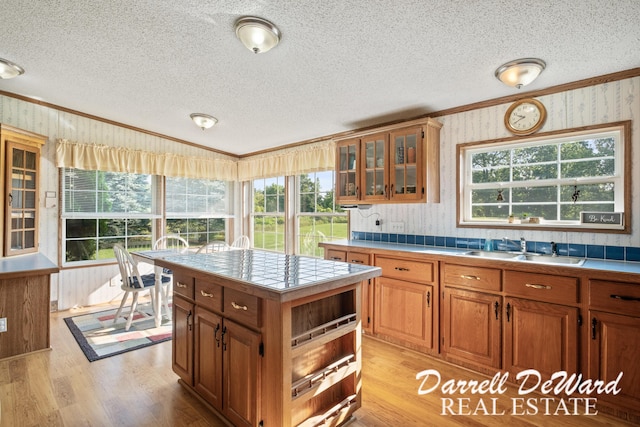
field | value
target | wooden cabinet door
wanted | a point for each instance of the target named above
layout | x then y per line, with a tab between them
404	310
406	165
614	348
242	373
472	324
541	336
182	342
347	171
208	357
21	226
373	166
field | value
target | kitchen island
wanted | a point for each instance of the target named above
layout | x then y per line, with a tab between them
268	339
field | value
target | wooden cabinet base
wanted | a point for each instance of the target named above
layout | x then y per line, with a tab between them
24	302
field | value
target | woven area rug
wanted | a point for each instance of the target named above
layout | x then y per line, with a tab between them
99	337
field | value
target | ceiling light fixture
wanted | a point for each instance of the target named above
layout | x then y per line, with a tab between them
520	72
203	121
9	70
257	34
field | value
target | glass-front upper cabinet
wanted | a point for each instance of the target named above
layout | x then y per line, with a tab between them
374	164
21	173
347	171
406	182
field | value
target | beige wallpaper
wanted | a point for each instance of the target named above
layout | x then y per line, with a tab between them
598	104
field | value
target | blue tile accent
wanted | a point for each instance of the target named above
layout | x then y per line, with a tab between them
633	254
577	250
595	251
614	252
620	253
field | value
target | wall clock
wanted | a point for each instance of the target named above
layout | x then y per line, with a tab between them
525	116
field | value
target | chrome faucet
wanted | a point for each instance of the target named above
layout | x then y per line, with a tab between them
554	249
522	244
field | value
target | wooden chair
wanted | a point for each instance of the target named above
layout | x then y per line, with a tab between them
134	283
213	247
176	243
241	242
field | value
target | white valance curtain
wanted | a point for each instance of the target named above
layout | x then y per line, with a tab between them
119	159
313	157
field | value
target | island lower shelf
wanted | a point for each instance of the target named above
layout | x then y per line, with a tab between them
271	360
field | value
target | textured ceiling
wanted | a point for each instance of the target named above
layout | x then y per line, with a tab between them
340	65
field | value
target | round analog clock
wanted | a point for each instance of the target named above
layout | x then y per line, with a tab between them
525	116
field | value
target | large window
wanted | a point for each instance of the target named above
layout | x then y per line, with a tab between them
198	209
546	181
319	219
103	208
268	213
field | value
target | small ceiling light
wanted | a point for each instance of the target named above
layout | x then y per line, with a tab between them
257	34
203	121
9	70
520	72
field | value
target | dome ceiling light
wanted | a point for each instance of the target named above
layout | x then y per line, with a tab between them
257	34
203	121
520	72
9	70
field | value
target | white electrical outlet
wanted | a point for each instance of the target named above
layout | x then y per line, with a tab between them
396	227
3	324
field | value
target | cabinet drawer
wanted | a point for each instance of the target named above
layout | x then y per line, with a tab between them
616	297
542	287
208	295
406	269
242	307
488	279
358	258
336	255
183	284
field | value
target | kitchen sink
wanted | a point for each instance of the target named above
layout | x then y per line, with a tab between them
548	259
489	254
534	258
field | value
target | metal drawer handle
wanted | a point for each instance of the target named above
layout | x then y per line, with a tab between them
466	276
205	294
536	286
357	261
238	307
402	269
336	258
181	285
625	298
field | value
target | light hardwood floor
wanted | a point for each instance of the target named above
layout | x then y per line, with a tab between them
61	388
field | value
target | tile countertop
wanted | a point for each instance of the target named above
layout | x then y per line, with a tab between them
592	264
273	271
26	265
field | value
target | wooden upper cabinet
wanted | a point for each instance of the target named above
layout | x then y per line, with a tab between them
391	164
347	179
20	190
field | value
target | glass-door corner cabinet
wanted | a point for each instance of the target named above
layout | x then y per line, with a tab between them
406	181
20	163
347	171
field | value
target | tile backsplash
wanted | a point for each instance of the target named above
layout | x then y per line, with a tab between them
618	253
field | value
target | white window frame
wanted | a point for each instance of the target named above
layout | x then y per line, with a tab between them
621	178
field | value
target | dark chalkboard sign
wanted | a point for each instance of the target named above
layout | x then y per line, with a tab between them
608	218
